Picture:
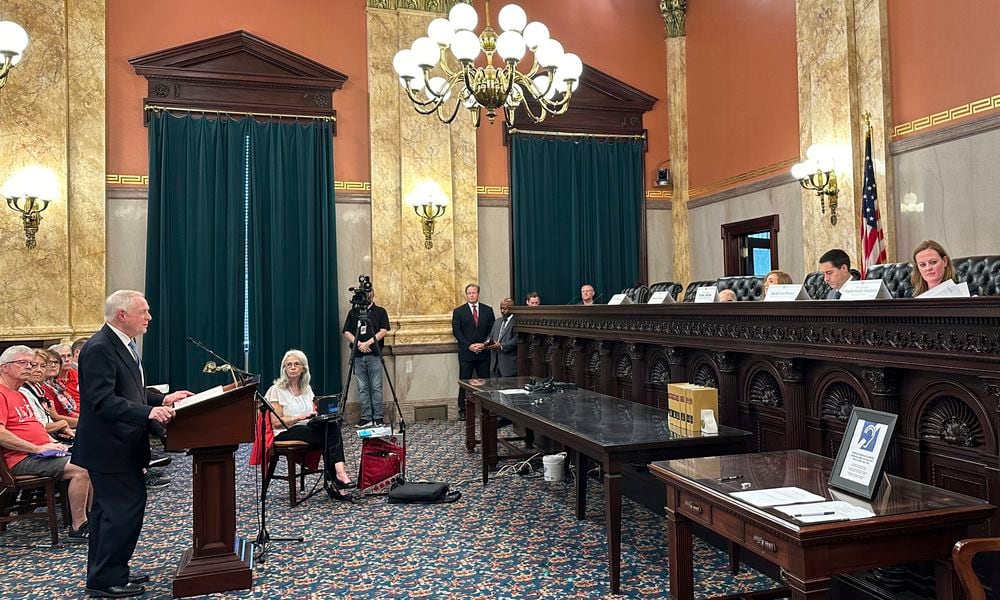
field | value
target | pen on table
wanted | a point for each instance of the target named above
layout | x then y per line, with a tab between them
730	478
815	514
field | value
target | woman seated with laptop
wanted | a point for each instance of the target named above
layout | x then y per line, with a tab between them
292	399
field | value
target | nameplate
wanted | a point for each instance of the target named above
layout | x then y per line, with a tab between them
708	293
619	299
864	289
661	298
786	292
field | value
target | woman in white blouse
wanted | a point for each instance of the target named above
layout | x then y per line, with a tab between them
292	399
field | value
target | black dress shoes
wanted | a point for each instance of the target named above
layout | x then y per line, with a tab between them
138	577
117	591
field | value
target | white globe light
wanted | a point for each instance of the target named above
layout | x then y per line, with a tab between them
437	87
34	181
465	46
441	31
570	67
425	52
510	46
800	171
549	53
561	86
463	17
534	34
825	163
512	18
13	39
403	62
815	151
416	83
542	87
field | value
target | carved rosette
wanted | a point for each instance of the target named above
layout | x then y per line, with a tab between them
950	420
790	369
765	390
659	372
705	375
674	14
837	401
883	381
623	369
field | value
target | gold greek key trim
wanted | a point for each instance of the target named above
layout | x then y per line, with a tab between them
718	186
353	186
660	194
492	190
112	179
958	112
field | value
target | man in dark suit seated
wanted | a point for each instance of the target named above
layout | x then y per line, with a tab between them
836	268
112	442
471	324
503	343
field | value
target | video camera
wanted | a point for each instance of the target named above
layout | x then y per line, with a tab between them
363	293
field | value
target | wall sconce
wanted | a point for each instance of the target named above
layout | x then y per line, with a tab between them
29	192
429	202
816	174
663	174
13	41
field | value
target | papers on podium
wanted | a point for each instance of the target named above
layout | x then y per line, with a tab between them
786	292
619	299
865	289
947	289
199	397
776	496
661	298
824	512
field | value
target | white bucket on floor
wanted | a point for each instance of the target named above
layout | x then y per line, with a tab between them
553	464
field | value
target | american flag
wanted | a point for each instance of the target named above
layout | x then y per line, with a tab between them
872	239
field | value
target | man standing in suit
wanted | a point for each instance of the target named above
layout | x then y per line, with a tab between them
471	324
503	347
112	442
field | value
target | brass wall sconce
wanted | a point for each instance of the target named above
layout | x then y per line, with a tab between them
816	173
663	178
29	192
429	203
13	41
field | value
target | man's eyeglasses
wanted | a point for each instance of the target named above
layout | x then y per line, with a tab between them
24	363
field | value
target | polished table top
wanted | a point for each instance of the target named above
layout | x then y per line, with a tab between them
897	497
603	420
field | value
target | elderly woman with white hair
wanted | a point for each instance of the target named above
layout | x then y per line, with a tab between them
292	398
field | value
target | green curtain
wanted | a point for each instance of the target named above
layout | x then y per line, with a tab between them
194	247
293	251
577	205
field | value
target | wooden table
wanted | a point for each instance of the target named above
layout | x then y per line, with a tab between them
913	521
611	431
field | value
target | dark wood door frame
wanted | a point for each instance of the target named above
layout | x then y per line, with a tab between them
732	232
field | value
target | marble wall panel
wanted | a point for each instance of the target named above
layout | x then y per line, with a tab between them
494	256
956	182
659	245
677	113
354	258
126	213
706	223
426	380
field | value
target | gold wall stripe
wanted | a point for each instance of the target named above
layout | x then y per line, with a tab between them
357	186
958	112
660	194
718	186
127	179
492	190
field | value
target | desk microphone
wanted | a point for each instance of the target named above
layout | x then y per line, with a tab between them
599	296
226	365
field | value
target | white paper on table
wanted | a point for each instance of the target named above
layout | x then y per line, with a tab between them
947	289
199	397
776	496
814	512
513	392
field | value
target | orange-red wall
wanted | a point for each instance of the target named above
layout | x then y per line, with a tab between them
742	87
942	55
621	37
332	33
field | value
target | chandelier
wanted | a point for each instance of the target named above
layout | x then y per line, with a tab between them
440	72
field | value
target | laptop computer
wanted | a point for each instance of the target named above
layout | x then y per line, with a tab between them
328	405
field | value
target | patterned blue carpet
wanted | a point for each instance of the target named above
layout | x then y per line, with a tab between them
515	538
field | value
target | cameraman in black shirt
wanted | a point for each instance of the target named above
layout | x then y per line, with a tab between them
367	365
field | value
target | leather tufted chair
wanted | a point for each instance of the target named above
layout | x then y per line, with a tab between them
896	277
747	287
815	286
982	273
667	286
692	289
638	294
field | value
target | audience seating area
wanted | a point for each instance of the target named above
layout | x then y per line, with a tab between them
22	495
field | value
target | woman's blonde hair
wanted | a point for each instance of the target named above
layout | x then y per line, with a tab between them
919	285
282	380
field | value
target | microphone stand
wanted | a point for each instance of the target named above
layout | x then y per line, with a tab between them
263	536
243	375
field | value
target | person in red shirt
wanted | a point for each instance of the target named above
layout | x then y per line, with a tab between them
62	401
68	376
22	437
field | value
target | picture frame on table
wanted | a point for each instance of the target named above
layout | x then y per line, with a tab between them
861	458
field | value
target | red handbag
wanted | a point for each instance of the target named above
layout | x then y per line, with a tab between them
382	462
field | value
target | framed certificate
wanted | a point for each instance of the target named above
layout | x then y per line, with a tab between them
862	452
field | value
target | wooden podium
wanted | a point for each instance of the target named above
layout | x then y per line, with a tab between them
211	432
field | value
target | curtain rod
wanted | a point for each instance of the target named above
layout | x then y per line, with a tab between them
513	131
156	108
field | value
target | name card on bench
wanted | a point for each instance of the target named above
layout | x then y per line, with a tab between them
786	292
619	299
661	298
708	293
864	289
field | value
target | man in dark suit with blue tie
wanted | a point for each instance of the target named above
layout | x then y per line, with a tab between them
471	324
112	442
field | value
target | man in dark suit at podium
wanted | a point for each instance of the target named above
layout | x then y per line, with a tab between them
112	442
471	324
